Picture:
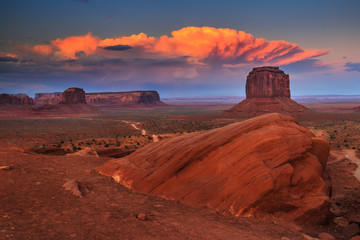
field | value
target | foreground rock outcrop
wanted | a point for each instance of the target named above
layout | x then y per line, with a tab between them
73	96
15	99
268	164
267	90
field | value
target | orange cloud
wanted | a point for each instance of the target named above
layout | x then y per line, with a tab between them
198	44
43	49
68	47
221	43
8	55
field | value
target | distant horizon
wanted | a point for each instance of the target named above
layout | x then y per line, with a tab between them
189	97
178	48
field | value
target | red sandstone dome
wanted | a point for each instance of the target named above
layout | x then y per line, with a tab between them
267	164
267	90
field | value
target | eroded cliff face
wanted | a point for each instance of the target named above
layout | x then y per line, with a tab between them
268	164
73	96
267	90
267	82
124	98
15	99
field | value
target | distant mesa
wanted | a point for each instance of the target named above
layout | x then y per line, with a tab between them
47	98
15	99
73	96
132	98
71	101
267	90
125	99
268	164
54	94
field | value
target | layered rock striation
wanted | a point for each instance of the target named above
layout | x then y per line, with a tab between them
268	164
267	90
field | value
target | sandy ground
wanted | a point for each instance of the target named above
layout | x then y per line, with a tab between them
351	155
35	205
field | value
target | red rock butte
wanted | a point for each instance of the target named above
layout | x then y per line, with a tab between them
73	96
268	164
267	90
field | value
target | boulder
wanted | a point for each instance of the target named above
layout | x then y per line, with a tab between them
73	96
268	164
267	90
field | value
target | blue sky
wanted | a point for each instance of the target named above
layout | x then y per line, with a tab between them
39	51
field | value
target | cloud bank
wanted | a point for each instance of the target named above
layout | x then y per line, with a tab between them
191	55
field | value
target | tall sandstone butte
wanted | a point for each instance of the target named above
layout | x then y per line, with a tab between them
267	90
73	96
268	164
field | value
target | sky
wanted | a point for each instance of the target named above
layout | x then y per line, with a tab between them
180	48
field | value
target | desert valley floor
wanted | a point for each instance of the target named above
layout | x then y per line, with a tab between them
41	157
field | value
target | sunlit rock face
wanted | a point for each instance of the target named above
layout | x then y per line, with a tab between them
268	164
263	82
73	96
267	90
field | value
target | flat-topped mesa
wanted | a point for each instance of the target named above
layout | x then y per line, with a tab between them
267	90
133	98
73	96
267	82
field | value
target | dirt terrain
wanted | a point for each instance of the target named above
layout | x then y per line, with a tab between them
35	204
